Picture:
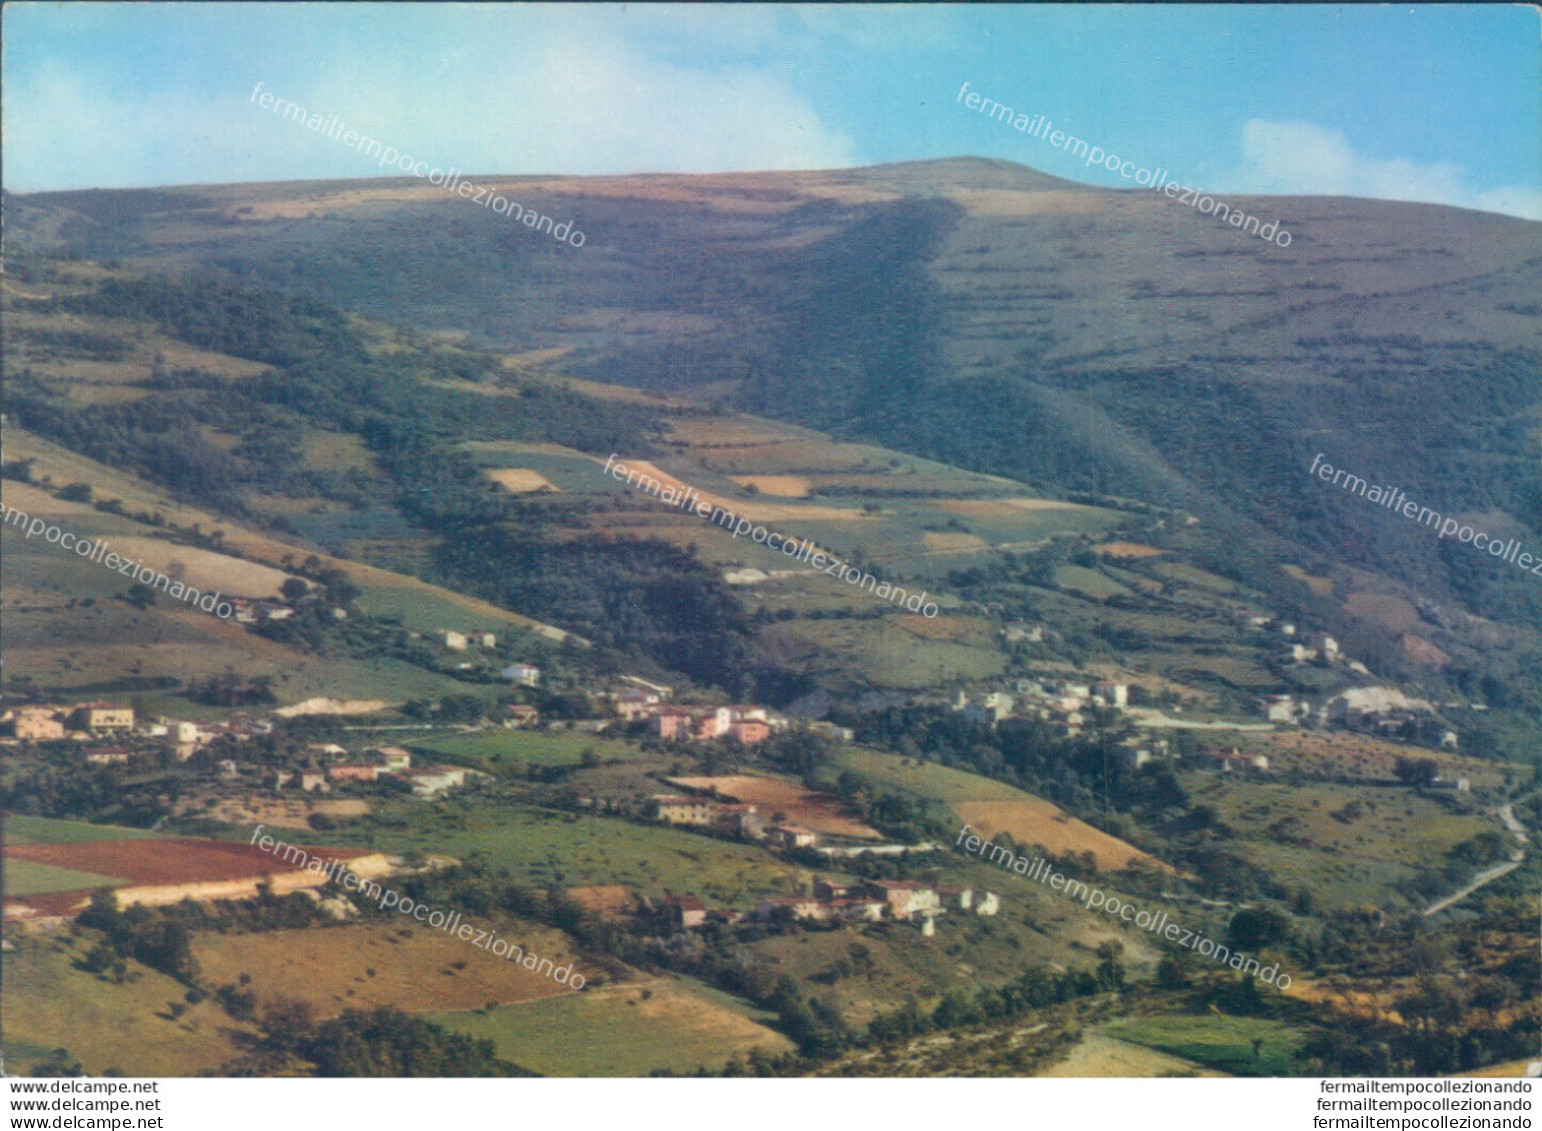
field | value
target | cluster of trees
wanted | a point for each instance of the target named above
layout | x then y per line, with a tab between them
644	598
383	1042
158	941
1036	988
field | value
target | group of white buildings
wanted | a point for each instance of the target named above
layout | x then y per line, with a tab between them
90	722
1063	701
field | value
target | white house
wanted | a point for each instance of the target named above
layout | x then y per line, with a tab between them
1113	694
525	675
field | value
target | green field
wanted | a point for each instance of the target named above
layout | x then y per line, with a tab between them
617	1031
490	749
21	829
1089	581
1345	843
926	779
23	877
565	849
50	1003
1224	1043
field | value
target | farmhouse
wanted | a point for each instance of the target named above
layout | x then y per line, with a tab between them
793	836
1112	694
521	715
392	758
677	810
684	910
108	755
434	780
829	730
634	703
352	771
749	732
524	675
33	723
103	716
971	899
904	898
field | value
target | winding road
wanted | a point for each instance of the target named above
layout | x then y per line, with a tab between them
1507	817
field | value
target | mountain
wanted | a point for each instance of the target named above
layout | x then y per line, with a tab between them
986	315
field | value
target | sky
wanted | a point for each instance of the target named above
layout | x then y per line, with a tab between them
1430	103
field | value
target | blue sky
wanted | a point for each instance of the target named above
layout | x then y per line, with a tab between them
1435	103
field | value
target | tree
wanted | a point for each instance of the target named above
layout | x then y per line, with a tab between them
293	589
1415	771
1255	927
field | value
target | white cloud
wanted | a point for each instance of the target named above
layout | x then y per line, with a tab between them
1299	158
562	100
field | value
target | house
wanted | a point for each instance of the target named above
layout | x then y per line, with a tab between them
326	750
904	898
832	889
684	910
454	641
830	730
434	781
103	716
1137	756
34	723
182	732
793	836
1370	706
858	910
1018	631
663	691
1324	645
352	771
797	907
749	732
1112	694
1284	709
683	723
1300	654
979	901
108	755
1460	785
314	783
486	639
677	810
634	703
525	675
990	710
521	715
392	758
739	820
